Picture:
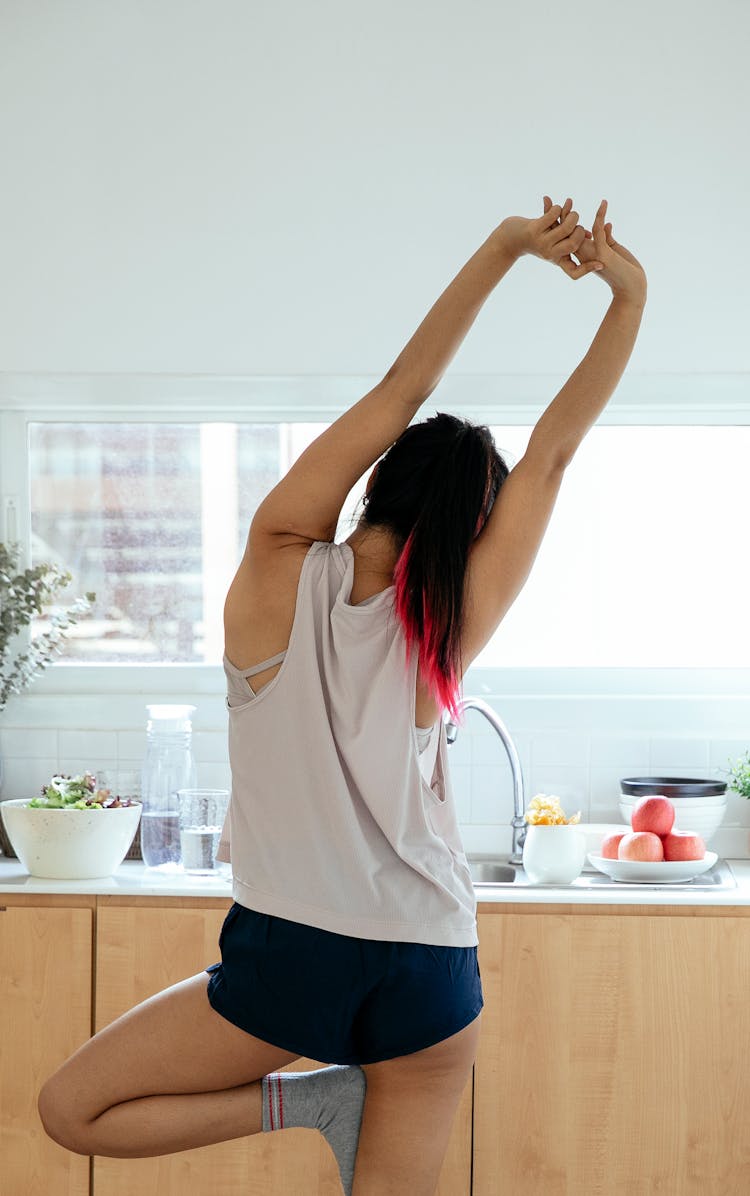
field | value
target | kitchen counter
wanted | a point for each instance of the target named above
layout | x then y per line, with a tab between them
132	878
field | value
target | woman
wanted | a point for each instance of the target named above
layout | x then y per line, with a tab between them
352	937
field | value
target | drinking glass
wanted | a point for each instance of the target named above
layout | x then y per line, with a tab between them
202	813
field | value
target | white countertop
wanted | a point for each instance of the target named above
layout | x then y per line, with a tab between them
133	879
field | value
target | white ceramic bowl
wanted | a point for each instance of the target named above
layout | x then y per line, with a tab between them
553	855
69	844
703	815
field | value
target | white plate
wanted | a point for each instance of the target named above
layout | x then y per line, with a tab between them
638	871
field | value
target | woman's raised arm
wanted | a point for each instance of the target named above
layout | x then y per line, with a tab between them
504	551
584	396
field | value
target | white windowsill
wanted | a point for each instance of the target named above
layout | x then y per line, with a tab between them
65	678
493	398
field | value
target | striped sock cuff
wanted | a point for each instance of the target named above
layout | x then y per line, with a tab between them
273	1102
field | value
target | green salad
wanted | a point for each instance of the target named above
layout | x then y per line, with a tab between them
78	793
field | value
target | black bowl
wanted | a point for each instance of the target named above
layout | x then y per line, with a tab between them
671	786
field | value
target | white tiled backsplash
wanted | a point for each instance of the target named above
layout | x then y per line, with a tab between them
575	746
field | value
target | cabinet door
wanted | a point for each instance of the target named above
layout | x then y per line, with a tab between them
612	1059
141	950
45	1000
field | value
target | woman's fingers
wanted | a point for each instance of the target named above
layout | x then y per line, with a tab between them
565	208
572	243
562	212
573	271
550	216
577	237
559	233
564	236
600	238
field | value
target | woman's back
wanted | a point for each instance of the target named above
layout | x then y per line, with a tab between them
332	820
260	605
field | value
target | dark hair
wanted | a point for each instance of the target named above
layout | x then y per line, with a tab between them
434	490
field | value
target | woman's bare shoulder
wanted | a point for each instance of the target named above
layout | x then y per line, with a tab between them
260	602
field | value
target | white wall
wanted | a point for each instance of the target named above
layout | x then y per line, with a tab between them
232	188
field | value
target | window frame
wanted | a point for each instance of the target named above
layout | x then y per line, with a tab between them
641	399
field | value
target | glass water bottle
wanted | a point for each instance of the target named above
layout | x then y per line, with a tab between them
167	767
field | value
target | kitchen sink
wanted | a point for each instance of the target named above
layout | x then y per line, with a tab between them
498	874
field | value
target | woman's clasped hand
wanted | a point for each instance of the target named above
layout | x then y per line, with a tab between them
556	236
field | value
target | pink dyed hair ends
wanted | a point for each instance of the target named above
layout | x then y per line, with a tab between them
444	686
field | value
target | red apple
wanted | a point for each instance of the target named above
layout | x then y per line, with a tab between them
683	845
610	844
655	814
641	845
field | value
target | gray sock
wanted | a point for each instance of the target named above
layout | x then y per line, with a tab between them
330	1099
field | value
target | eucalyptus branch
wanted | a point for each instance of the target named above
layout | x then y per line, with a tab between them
23	595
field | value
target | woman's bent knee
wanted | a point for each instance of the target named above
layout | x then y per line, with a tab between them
56	1120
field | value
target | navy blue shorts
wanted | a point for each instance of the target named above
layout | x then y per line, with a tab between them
339	999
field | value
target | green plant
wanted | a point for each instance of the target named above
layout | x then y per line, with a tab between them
739	775
22	595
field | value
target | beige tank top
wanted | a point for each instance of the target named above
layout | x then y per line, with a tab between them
342	813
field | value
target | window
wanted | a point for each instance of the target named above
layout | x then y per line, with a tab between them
153	517
637	567
642	565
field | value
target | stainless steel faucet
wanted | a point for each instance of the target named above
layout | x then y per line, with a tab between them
519	801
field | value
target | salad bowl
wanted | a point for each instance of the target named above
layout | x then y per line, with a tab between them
74	832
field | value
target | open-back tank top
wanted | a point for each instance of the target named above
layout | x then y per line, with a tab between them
342	813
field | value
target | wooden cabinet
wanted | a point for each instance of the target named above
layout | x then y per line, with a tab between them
45	1004
612	1058
613	1054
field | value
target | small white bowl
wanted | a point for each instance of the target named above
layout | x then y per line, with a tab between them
704	815
69	844
553	855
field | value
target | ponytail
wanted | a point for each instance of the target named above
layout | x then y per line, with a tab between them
435	488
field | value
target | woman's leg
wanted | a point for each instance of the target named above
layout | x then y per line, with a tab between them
409	1112
171	1074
